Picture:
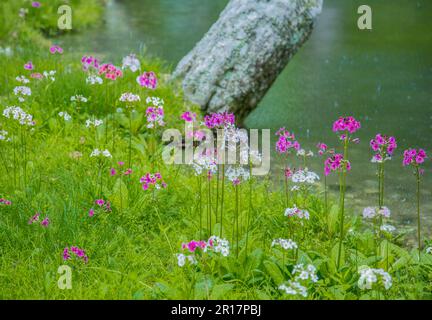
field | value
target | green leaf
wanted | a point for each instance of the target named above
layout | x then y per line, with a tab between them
120	195
274	272
219	291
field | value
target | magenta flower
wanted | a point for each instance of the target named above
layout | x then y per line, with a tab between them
91	212
383	146
45	222
79	253
188	116
414	157
100	202
34	218
336	163
148	80
89	62
121	163
219	120
346	124
128	172
56	49
286	141
36	4
5	202
155	115
193	245
113	172
154	180
29	66
66	255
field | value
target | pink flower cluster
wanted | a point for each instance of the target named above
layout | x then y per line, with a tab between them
346	124
147	80
193	245
79	253
188	116
219	120
414	157
56	49
110	71
44	223
36	4
152	180
89	62
113	171
334	163
323	148
102	204
384	146
5	202
286	141
155	115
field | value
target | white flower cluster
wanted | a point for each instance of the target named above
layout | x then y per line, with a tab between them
78	98
66	116
298	286
155	101
131	62
372	212
286	244
20	115
370	276
182	259
296	212
375	160
387	228
105	153
294	288
50	75
237	174
129	97
303	153
219	245
93	79
4	135
22	91
204	163
22	79
429	250
305	273
304	176
95	123
6	51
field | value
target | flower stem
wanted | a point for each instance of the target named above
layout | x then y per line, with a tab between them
418	210
342	199
222	199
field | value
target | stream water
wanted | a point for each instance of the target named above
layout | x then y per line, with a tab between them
382	77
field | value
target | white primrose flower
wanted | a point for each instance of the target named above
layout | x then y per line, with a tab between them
387	228
129	97
93	79
105	153
18	114
79	98
204	163
305	273
22	79
296	212
22	91
303	153
95	123
237	174
429	250
219	245
372	212
286	244
66	116
370	276
50	75
155	101
304	176
4	135
294	288
131	62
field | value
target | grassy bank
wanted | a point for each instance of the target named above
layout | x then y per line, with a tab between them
132	249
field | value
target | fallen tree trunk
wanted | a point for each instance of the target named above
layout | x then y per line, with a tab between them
242	54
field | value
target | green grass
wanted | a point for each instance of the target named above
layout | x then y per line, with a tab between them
42	21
